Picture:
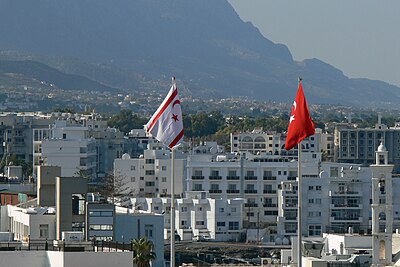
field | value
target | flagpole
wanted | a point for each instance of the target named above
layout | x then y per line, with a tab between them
172	236
299	203
172	203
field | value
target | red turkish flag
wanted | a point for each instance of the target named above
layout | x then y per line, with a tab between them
300	124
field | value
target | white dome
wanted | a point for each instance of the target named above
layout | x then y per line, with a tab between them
126	156
381	148
278	241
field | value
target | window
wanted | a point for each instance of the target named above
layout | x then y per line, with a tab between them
310	187
220	224
311	201
314	230
221	210
133	179
233	226
199	208
184	209
150	172
318	188
149	161
133	168
43	230
233	209
317	201
163	168
148	230
141	178
163	179
199	223
150	184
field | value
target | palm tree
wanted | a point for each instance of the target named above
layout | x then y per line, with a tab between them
143	252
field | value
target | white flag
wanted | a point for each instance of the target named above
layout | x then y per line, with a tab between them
166	124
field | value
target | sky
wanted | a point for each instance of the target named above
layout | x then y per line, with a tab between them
359	37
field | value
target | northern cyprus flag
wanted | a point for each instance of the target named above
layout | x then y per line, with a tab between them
166	123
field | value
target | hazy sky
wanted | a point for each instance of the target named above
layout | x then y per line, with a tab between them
359	37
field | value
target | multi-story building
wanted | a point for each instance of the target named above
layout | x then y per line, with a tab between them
358	145
150	174
70	148
198	216
336	196
273	143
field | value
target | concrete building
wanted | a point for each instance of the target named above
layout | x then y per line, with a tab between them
358	145
150	174
336	196
198	216
273	143
131	225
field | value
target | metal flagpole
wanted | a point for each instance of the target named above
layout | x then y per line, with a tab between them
299	204
172	235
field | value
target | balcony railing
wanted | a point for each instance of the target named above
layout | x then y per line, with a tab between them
250	177
251	205
250	191
269	178
269	191
197	177
270	205
229	177
215	177
215	191
232	191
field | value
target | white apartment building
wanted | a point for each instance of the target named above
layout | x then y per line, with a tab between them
31	223
198	216
273	143
336	196
150	174
68	147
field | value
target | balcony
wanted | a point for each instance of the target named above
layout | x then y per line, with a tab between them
250	191
270	205
269	178
346	206
292	178
269	191
346	219
197	177
232	191
215	191
250	177
251	205
232	177
344	193
215	177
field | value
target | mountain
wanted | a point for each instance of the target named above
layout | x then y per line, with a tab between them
204	43
32	72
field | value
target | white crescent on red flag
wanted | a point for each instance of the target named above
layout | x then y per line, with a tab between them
166	124
300	123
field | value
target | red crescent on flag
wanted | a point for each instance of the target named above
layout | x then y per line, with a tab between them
176	102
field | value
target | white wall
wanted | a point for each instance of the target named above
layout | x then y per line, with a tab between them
68	259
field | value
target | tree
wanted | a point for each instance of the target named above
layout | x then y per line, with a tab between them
126	121
143	252
116	187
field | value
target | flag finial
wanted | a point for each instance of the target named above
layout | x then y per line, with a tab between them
300	79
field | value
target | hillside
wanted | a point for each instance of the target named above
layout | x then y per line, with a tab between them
202	42
15	73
